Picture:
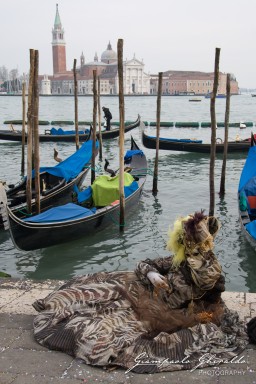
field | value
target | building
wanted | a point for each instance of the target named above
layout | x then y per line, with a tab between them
46	86
135	80
58	46
192	82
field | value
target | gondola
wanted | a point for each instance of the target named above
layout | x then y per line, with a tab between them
56	183
77	219
188	145
61	135
247	196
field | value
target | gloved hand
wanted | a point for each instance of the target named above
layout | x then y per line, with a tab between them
157	280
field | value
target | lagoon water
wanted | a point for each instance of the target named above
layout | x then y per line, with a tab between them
183	188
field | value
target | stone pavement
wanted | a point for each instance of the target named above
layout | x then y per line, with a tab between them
24	361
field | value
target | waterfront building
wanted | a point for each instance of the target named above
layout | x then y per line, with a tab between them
136	80
192	82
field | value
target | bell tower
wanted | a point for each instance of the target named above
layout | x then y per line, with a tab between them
58	46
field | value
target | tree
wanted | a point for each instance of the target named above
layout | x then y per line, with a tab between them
3	73
13	78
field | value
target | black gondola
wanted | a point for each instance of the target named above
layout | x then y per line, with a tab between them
56	183
60	135
32	234
188	145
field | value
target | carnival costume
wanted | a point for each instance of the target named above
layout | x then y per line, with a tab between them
161	317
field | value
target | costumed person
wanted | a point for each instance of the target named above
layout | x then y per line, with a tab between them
107	117
162	317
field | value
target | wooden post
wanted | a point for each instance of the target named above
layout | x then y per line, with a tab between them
23	128
29	133
121	132
99	121
223	170
94	123
76	108
158	113
36	133
213	131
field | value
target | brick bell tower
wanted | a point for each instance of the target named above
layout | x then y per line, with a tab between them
58	46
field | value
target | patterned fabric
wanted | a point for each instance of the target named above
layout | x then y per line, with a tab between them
116	319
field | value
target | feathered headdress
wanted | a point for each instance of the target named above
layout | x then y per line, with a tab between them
191	232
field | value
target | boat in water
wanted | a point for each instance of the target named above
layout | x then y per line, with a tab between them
56	183
247	197
89	211
190	145
63	135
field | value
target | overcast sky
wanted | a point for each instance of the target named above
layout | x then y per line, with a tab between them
166	34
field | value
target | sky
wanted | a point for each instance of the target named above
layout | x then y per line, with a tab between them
165	34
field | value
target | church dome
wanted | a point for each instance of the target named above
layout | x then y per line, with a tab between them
109	56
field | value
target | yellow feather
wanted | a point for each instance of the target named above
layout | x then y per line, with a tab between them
175	241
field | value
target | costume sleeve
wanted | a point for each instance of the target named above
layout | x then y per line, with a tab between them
161	265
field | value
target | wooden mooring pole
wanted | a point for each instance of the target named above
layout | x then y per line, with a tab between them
23	140
94	125
30	113
225	153
213	131
158	113
121	133
99	121
36	132
76	105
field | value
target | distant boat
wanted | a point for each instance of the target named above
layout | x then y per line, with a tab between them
253	94
218	96
186	93
242	125
195	99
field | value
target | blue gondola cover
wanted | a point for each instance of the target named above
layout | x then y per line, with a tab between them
74	164
62	213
